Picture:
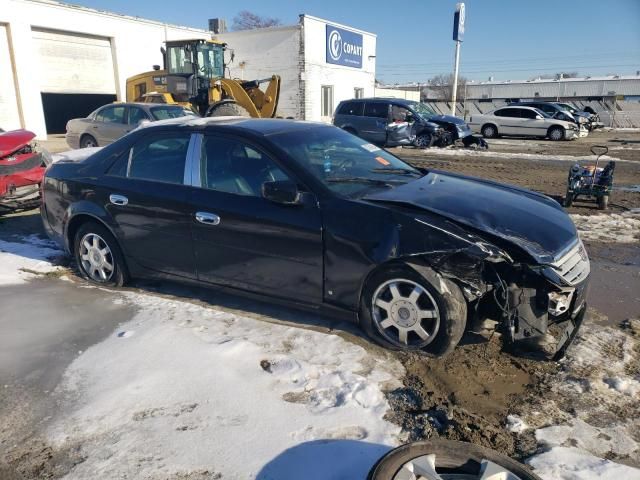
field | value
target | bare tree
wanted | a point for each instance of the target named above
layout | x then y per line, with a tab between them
246	20
441	86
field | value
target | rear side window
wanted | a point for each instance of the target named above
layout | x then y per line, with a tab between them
111	114
159	157
351	108
506	112
380	110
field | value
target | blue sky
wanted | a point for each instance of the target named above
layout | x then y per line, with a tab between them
506	39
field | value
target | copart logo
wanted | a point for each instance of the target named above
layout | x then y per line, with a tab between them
335	45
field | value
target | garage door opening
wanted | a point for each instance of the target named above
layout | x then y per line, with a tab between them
59	108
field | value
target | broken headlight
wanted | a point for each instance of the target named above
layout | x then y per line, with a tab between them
559	302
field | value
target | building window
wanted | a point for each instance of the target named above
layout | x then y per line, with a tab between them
358	93
326	99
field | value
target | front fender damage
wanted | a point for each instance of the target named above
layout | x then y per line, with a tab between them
522	300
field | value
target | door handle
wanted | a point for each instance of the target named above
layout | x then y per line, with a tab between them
207	218
118	199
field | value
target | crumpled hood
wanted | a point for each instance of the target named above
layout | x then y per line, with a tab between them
447	118
13	140
533	222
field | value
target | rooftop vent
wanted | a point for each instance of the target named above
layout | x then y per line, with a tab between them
217	25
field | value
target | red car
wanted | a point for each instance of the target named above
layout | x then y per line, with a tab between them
22	166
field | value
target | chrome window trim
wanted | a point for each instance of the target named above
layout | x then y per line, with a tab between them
192	165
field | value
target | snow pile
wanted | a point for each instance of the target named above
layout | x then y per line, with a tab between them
75	155
515	424
614	227
593	406
565	463
20	262
465	152
202	390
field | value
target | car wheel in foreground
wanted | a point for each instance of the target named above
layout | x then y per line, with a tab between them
400	309
556	133
98	256
424	140
447	460
489	131
87	141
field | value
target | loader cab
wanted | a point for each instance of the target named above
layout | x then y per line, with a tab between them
195	57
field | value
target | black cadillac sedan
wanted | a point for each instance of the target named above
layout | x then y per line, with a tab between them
309	214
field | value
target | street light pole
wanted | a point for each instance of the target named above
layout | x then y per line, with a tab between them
458	35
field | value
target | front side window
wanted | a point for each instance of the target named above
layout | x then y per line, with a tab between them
136	115
326	100
111	114
232	166
399	114
159	157
526	113
169	111
344	163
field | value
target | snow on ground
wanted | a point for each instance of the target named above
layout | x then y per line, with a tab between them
21	261
458	152
611	227
593	409
196	389
566	463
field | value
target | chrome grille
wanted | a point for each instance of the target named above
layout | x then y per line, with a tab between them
574	266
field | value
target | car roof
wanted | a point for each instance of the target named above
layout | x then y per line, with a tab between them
380	99
261	126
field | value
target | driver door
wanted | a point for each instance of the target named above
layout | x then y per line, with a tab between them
401	127
245	241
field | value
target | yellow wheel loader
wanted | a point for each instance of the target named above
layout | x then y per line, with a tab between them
193	76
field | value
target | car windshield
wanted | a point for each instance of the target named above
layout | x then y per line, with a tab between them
169	111
344	163
567	107
421	109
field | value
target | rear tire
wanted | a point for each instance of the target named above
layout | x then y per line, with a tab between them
489	131
442	316
556	134
568	199
87	141
98	256
451	457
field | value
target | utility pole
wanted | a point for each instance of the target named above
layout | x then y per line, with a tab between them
458	35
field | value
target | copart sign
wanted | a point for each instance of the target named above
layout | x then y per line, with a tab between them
344	47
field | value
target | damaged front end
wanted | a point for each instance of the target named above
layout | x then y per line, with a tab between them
22	166
538	307
457	132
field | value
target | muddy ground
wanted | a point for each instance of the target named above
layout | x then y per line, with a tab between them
469	395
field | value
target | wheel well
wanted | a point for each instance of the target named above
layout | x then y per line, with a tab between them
79	220
552	127
85	135
489	124
379	268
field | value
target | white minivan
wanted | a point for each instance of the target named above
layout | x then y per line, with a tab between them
523	121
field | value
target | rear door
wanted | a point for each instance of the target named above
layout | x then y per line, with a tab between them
374	122
109	125
145	194
245	241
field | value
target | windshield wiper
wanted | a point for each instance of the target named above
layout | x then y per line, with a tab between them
364	180
396	171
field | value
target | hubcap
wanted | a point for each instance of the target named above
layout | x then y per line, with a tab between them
424	468
96	258
556	134
488	132
405	313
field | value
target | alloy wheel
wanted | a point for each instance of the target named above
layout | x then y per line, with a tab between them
424	468
96	258
423	141
405	313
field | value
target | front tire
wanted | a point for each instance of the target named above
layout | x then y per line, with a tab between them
402	310
227	109
424	140
87	141
603	202
457	459
98	256
556	134
489	131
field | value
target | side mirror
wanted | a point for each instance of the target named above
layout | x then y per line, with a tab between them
281	191
539	117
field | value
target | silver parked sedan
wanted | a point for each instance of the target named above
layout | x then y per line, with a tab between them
110	122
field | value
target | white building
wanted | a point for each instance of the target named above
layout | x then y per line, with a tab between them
321	63
59	61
